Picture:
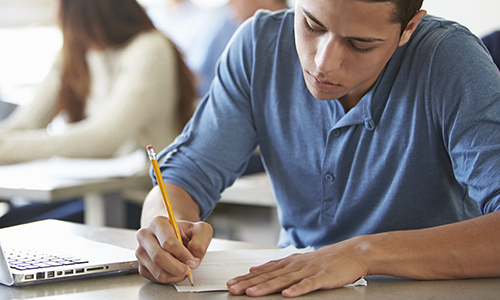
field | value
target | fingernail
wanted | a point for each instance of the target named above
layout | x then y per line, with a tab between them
191	264
231	282
197	262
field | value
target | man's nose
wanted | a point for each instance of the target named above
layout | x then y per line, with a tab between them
329	55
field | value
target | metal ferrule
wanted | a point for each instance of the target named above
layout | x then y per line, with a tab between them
151	154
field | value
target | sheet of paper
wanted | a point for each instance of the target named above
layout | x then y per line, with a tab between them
220	266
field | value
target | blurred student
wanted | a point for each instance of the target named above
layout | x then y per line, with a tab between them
6	108
237	11
188	25
492	42
117	85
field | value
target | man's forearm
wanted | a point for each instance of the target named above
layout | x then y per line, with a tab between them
185	208
465	249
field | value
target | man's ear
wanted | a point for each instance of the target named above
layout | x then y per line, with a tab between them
410	28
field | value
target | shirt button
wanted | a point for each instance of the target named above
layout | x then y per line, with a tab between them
329	177
336	133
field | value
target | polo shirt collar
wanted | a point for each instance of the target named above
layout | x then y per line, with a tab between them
359	114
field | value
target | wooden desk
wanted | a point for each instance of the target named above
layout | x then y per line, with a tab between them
134	287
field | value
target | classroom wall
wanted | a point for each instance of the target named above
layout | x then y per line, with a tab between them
480	16
26	12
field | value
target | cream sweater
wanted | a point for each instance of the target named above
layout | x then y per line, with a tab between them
131	104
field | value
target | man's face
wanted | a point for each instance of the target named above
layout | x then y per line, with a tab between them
343	45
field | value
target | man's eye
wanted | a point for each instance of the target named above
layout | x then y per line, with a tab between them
357	49
308	27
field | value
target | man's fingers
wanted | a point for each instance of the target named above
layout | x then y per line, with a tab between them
305	286
201	236
168	240
268	278
160	263
294	276
162	256
152	271
259	284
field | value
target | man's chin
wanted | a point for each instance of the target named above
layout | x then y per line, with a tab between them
322	95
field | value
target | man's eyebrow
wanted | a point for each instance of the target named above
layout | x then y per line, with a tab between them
310	16
365	40
360	39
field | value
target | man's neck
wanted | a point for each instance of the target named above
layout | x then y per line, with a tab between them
349	101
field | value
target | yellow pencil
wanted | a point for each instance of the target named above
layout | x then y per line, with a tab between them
166	200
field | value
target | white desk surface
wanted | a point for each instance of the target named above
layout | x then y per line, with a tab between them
62	189
61	178
254	189
134	287
249	190
92	191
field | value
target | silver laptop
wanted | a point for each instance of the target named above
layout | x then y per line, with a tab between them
38	260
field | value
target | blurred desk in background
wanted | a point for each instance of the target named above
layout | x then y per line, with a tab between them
247	211
58	179
252	190
92	192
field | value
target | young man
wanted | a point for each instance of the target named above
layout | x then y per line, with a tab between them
378	127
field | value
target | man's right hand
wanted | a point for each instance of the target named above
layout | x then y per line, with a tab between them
162	258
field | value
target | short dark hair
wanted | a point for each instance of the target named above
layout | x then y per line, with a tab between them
404	12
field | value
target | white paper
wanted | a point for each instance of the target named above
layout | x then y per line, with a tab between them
218	267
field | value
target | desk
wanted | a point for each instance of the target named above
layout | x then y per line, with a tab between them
251	190
58	178
90	190
247	211
134	287
254	189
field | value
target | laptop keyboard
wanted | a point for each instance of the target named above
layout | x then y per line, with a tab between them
32	260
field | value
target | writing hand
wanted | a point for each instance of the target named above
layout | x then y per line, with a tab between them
162	258
329	267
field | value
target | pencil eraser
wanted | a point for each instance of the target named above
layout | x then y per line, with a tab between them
149	147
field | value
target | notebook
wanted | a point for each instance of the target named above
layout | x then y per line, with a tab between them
48	259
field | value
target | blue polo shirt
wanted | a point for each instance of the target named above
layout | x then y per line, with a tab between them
420	149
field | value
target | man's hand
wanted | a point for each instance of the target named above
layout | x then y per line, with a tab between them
466	249
329	267
162	258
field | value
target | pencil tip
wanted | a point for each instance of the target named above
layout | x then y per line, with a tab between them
190	277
